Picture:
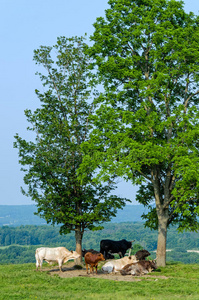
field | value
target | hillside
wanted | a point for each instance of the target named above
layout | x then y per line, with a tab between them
175	281
16	215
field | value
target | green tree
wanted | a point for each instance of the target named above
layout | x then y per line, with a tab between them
60	125
146	123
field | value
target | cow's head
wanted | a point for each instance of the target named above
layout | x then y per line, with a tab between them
100	256
153	264
72	255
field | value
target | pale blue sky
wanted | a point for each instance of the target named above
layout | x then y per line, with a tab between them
24	26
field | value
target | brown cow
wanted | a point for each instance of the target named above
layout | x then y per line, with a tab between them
92	259
142	254
139	268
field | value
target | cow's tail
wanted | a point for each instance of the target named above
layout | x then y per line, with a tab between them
36	252
38	262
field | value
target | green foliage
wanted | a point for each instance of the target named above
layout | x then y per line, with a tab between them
146	122
23	282
60	125
17	254
24	240
147	126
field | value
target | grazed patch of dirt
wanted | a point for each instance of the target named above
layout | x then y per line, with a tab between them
70	271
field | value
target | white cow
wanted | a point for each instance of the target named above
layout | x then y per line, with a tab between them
60	254
115	265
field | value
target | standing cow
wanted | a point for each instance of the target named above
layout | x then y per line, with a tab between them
60	255
92	259
139	268
109	246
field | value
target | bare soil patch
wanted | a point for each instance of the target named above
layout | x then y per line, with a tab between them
70	271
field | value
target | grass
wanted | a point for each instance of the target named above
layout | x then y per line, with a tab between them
23	282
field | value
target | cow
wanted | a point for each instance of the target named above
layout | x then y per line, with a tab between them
116	265
60	255
92	259
84	251
139	268
109	246
142	254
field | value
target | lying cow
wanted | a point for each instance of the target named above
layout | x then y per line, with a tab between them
109	246
139	268
117	264
60	255
92	259
84	251
142	254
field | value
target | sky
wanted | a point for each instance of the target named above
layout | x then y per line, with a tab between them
25	26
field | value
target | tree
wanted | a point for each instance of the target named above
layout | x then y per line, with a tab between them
60	125
146	124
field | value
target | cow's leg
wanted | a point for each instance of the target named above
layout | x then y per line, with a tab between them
96	269
86	268
120	254
92	269
123	253
37	264
138	271
105	254
60	262
40	263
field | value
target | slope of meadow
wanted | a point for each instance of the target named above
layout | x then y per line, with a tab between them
175	281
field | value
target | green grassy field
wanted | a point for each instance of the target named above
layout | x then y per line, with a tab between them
23	282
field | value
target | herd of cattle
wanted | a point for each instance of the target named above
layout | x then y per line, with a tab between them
136	265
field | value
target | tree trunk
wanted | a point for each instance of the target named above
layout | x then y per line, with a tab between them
78	238
162	238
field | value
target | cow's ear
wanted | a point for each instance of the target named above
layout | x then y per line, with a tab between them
129	257
71	251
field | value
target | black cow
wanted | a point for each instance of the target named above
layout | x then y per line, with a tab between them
84	251
109	246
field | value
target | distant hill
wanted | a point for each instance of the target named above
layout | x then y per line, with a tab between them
16	215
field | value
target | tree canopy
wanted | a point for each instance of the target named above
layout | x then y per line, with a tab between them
60	125
146	124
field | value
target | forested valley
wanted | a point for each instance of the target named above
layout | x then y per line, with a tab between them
18	244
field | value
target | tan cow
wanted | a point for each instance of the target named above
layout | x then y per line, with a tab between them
116	265
60	255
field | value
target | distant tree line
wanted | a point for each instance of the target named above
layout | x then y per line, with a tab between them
17	254
18	244
26	254
49	236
